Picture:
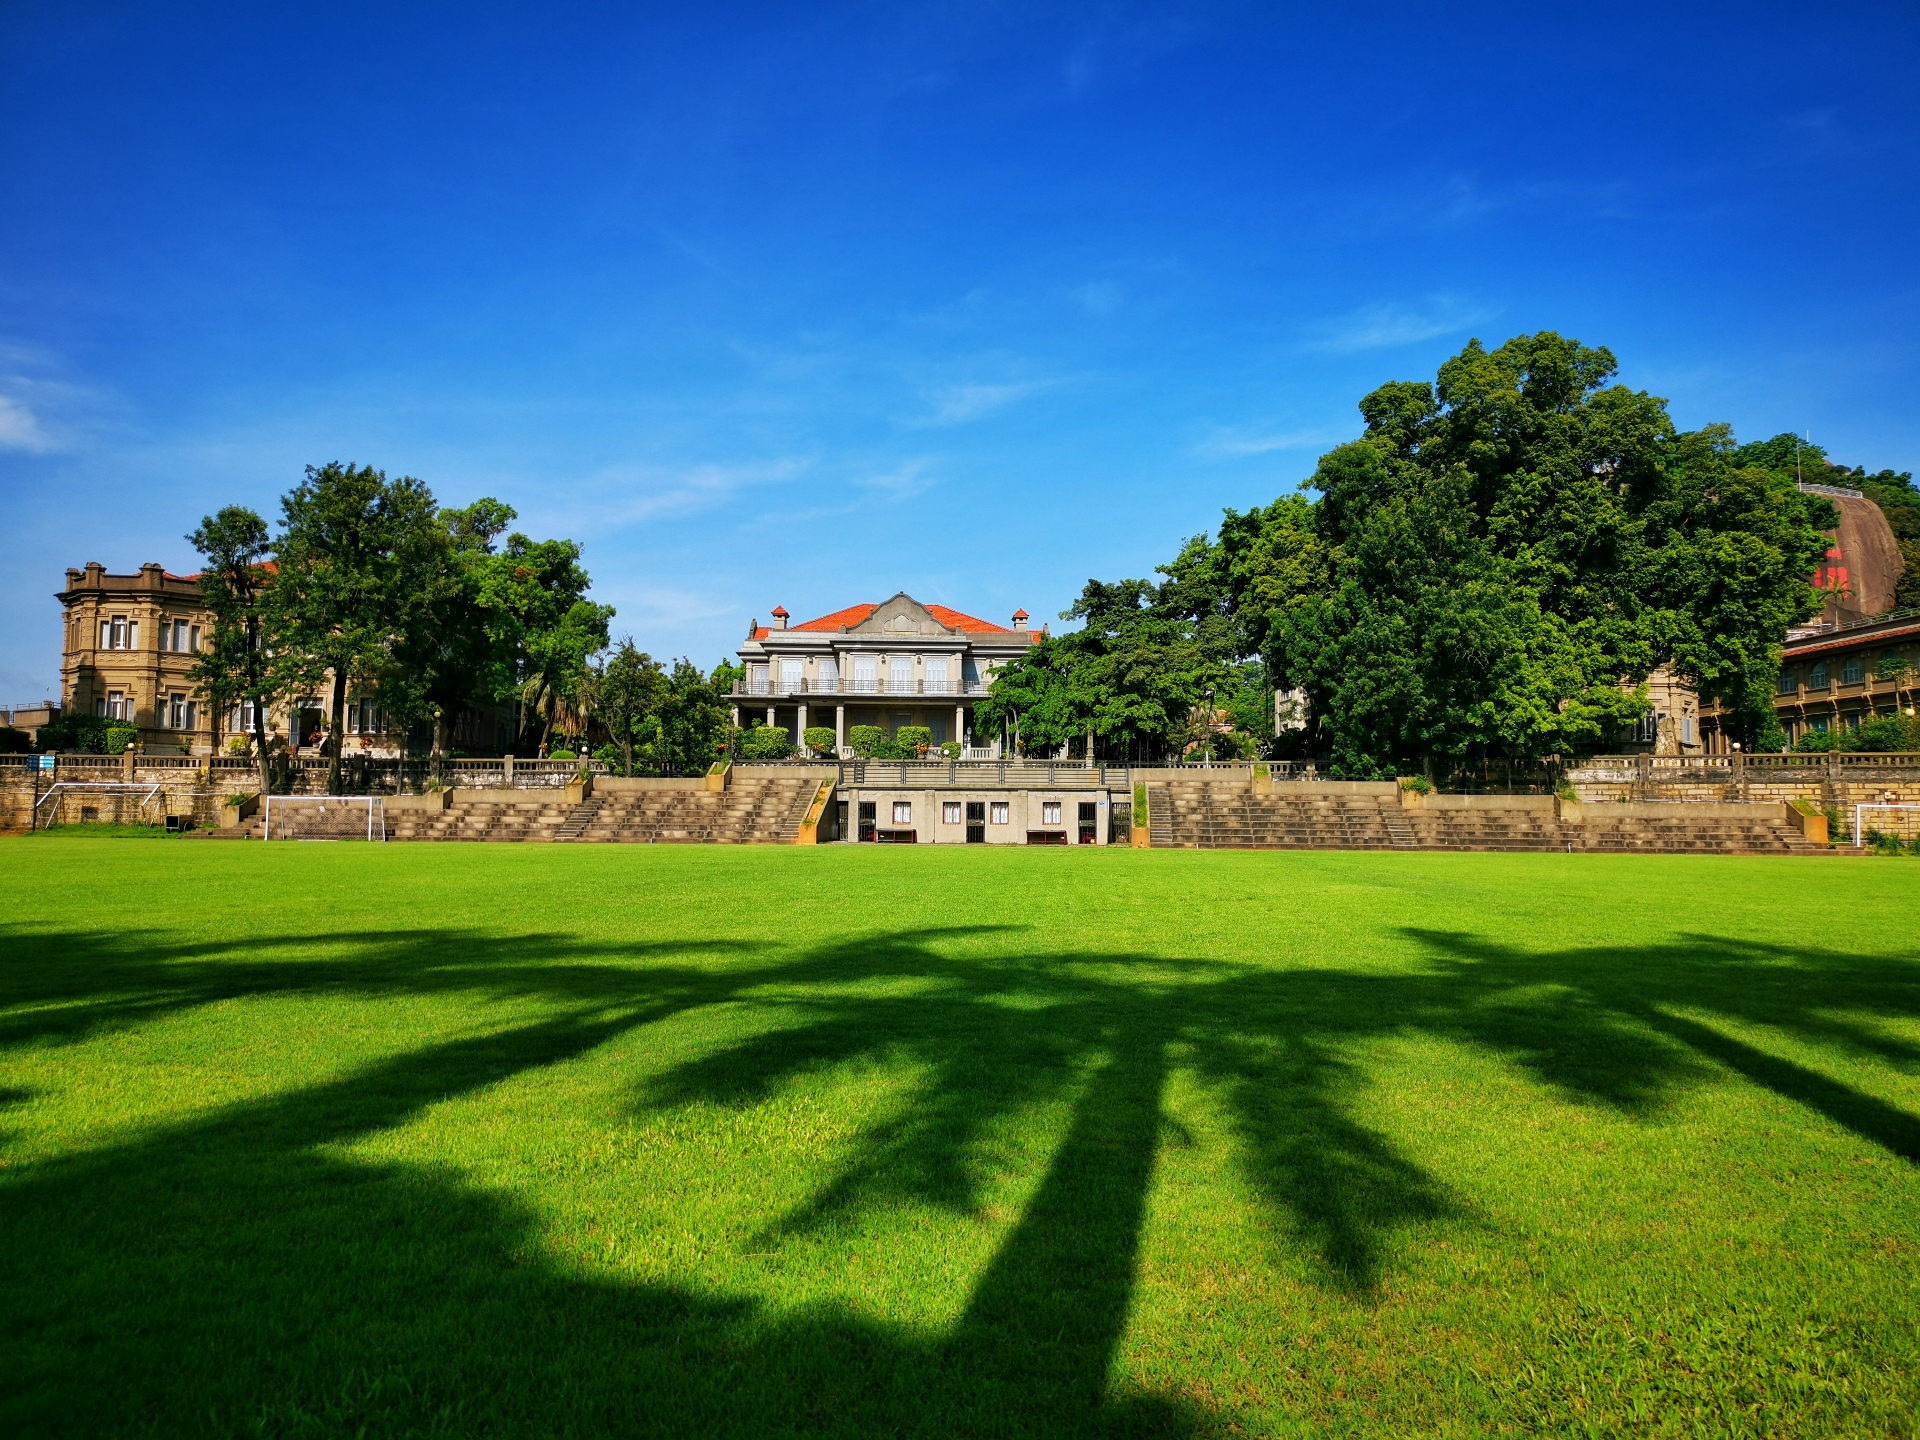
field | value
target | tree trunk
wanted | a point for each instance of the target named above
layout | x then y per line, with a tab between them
333	740
439	740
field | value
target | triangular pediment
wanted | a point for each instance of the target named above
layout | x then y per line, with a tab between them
902	615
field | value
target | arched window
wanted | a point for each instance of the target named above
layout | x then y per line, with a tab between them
1817	677
1788	684
1852	670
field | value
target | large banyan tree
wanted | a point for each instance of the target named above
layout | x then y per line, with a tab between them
1502	557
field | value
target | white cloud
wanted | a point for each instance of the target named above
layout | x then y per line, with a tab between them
1382	326
1227	443
1099	297
957	404
20	428
903	482
699	487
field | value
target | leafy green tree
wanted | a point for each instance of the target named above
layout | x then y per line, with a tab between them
558	630
1884	733
819	739
1791	457
1131	676
867	740
627	689
235	668
346	554
1506	554
691	721
453	641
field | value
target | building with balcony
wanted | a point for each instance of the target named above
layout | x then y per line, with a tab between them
1830	677
893	664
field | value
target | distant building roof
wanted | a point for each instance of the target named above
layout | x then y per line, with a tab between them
946	615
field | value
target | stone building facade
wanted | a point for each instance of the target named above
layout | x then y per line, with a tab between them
129	644
1830	678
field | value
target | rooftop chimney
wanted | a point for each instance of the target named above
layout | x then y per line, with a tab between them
1019	619
779	617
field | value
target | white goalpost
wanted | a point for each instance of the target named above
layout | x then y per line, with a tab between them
51	806
1859	823
323	817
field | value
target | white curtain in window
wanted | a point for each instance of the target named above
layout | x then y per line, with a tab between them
790	677
864	679
133	635
106	634
900	676
829	676
937	675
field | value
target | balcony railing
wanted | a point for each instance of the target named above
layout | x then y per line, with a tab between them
773	689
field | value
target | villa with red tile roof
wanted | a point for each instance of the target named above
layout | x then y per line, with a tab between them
896	663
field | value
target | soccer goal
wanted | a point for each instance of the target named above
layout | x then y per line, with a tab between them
1905	821
323	817
89	802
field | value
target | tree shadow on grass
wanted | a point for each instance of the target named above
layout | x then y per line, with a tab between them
232	1273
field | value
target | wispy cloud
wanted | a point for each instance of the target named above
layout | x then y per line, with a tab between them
1229	443
1383	325
902	482
39	410
957	404
1099	297
628	494
20	428
663	607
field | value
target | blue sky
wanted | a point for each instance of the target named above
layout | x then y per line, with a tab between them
810	304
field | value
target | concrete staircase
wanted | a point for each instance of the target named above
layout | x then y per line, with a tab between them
1515	828
754	811
1724	837
1220	811
501	815
761	810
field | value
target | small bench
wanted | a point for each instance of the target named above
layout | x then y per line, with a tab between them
1046	837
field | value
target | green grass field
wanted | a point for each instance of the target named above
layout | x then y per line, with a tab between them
503	1140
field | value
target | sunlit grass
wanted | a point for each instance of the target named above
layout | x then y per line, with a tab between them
318	1139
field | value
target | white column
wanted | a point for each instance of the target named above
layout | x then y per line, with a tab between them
839	728
769	717
960	724
800	725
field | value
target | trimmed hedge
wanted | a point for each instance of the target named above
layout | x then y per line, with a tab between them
766	742
87	735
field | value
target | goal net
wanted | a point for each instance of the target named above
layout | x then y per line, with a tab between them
1901	821
91	802
323	817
